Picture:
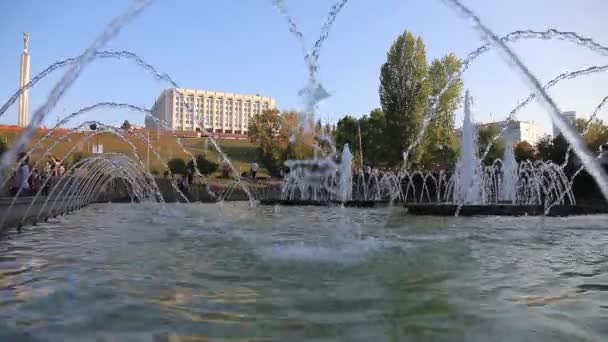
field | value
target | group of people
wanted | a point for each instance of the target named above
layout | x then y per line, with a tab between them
54	168
25	181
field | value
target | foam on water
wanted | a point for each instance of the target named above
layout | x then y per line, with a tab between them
348	252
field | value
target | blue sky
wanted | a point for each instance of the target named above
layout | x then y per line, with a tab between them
244	46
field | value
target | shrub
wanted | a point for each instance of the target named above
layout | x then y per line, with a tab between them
226	170
205	166
177	166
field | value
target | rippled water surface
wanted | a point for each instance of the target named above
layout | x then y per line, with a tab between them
233	273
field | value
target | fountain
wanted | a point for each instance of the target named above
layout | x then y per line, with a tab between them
318	181
345	187
471	183
322	179
468	189
508	189
243	271
531	188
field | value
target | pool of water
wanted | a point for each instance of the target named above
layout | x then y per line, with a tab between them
228	272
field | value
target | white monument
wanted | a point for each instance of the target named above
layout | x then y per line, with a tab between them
24	98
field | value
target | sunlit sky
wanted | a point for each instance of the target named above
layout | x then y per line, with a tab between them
244	46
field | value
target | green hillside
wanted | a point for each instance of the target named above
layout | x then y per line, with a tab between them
241	152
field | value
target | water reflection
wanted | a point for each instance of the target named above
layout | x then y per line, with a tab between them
233	273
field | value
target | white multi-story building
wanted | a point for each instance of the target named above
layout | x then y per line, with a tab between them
208	111
517	131
570	116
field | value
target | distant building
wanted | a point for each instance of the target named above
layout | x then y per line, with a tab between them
570	116
517	131
522	131
208	111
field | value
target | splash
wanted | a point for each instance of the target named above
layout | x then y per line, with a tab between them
550	34
345	186
112	105
468	188
508	191
561	77
128	55
314	92
570	134
315	180
593	116
68	79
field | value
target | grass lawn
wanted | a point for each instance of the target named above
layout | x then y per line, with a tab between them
241	152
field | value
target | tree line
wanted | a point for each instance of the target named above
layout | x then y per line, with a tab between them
595	134
280	136
407	82
409	85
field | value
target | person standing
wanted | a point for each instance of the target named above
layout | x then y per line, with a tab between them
55	167
48	169
21	180
184	186
35	181
254	170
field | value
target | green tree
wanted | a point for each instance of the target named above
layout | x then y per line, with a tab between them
596	135
485	135
580	125
298	143
177	166
264	127
205	166
552	149
280	137
374	143
126	125
404	90
440	145
346	133
272	158
265	130
524	151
